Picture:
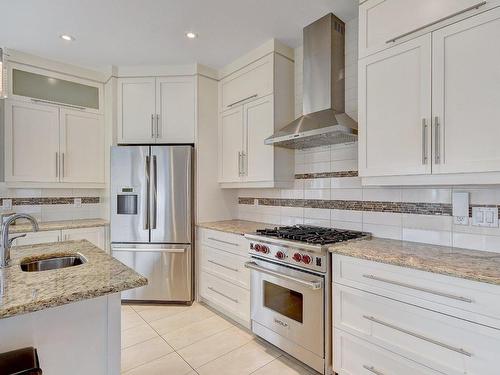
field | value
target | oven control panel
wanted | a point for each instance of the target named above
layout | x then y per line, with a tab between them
294	256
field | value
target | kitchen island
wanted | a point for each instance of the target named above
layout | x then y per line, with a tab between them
71	315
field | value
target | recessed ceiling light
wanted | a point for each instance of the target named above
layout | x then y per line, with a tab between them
69	38
191	35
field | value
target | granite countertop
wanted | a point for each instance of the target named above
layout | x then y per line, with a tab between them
235	226
473	265
24	226
24	292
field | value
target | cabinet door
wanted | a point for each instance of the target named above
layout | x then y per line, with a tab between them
382	20
231	145
31	142
258	157
466	83
175	105
94	235
82	146
395	110
136	110
33	238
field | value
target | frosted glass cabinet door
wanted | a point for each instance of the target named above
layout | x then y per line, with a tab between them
175	108
82	146
31	142
136	110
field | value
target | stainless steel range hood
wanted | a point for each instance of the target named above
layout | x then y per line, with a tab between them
324	121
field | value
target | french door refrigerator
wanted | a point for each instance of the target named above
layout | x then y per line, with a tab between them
151	219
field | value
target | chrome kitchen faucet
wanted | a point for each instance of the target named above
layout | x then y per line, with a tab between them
6	242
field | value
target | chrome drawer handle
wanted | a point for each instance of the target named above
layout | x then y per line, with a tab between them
221	241
314	285
373	369
223	295
223	266
478	5
409	286
417	335
242	100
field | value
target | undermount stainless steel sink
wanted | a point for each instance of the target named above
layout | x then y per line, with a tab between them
56	262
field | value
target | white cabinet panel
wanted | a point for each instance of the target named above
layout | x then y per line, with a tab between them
31	142
231	145
466	85
382	20
136	110
226	266
82	147
175	109
395	105
96	236
33	238
258	158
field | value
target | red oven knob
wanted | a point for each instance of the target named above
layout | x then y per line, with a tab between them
306	259
265	249
297	257
258	248
280	255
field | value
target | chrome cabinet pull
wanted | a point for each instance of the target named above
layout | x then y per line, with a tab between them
157	126
477	6
153	126
223	266
373	369
244	162
314	285
57	103
148	187
57	164
242	100
223	295
424	141
226	242
417	335
62	165
437	146
239	164
426	290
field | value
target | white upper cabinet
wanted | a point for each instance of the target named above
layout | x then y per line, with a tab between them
382	21
136	110
395	110
156	110
465	92
31	142
256	101
82	143
175	108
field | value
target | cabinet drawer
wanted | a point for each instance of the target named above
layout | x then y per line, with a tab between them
225	265
446	344
233	243
231	298
477	302
248	83
354	356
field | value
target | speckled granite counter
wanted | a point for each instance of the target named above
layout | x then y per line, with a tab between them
58	225
466	264
236	226
23	292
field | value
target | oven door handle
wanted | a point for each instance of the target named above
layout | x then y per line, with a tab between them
314	285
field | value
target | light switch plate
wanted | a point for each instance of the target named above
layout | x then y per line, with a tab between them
460	206
7	204
78	202
485	217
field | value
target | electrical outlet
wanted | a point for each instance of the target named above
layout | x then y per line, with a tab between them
78	202
485	217
7	204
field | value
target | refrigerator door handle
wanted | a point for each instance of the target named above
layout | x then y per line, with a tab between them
154	200
159	250
146	204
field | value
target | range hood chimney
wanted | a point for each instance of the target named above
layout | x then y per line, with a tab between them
324	121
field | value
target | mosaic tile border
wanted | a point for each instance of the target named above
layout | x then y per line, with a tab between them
339	174
43	201
437	209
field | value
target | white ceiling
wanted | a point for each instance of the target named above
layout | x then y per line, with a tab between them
151	32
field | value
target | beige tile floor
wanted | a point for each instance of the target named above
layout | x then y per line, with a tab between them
181	340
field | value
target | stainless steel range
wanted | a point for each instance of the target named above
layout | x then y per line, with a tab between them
290	289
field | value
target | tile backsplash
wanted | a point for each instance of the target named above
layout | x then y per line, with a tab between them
328	192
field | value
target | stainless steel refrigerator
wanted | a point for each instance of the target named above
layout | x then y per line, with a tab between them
151	219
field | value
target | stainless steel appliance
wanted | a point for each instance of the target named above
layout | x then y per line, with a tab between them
151	219
324	120
290	289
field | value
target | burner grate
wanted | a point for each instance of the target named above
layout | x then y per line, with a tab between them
311	234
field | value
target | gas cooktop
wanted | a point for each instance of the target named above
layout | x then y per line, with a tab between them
312	235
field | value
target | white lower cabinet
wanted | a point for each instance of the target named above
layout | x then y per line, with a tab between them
224	282
393	321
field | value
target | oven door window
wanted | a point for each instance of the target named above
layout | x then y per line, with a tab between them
284	301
